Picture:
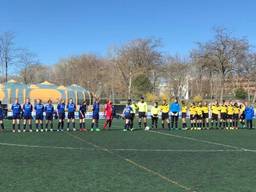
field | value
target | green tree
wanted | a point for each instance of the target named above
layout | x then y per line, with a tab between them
141	85
241	93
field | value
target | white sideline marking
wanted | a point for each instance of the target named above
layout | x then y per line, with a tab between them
199	140
44	147
182	150
134	163
123	149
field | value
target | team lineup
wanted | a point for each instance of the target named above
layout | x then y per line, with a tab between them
200	116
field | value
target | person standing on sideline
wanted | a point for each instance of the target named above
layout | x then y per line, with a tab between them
242	115
61	114
165	109
142	109
215	112
127	116
249	114
184	109
1	116
16	112
82	114
49	110
174	110
155	110
27	115
135	108
71	107
39	108
95	115
108	113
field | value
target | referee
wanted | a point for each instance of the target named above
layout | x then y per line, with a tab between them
142	110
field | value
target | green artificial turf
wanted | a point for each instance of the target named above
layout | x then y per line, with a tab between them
117	161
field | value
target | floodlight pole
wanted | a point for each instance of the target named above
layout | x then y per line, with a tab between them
6	71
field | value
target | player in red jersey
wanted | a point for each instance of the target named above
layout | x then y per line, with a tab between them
108	112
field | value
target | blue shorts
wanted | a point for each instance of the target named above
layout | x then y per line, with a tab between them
71	115
16	116
27	116
62	116
39	117
129	117
96	116
49	116
1	117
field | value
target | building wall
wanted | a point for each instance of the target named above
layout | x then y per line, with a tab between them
45	91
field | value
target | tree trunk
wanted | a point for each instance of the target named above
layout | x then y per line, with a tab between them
130	85
248	90
254	97
6	71
222	86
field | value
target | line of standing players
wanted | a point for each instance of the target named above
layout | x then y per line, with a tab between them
226	115
200	116
24	112
169	114
47	113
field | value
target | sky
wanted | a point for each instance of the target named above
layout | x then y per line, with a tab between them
55	29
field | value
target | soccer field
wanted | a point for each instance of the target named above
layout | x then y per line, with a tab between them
156	160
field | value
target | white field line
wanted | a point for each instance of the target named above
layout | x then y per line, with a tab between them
44	147
236	148
199	140
125	149
182	150
170	181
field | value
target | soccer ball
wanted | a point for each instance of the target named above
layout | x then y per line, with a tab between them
147	128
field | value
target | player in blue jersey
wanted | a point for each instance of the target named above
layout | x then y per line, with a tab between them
1	116
49	110
82	113
16	112
39	108
71	107
27	115
95	115
127	114
61	114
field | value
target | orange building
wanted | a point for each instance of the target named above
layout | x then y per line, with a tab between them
12	89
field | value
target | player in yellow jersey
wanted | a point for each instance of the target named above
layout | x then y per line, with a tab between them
215	114
205	109
230	113
242	115
165	109
184	109
192	112
199	116
236	116
155	110
135	108
142	109
223	115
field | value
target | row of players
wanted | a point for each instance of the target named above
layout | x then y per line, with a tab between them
25	112
225	115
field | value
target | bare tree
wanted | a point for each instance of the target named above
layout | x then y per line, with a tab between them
37	73
137	57
87	70
26	61
222	54
176	73
8	50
